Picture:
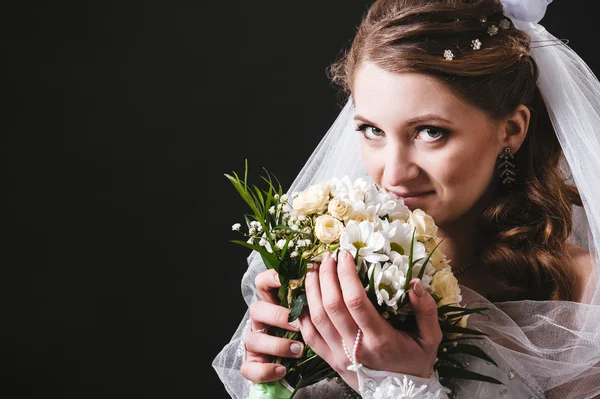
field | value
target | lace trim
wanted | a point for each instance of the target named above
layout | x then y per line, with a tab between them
393	388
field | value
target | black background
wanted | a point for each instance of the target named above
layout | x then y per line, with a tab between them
120	120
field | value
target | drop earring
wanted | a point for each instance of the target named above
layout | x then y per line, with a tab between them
507	167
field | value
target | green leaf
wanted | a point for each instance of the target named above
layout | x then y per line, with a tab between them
455	372
471	350
271	261
451	308
243	191
444	356
298	304
410	261
449	328
422	271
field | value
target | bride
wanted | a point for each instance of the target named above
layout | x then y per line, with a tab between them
471	111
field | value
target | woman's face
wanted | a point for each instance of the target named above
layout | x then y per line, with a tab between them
423	143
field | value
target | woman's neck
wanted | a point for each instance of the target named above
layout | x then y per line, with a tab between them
459	244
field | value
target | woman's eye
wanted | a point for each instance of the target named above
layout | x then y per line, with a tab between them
370	132
430	134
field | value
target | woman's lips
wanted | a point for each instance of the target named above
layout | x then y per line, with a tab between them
413	199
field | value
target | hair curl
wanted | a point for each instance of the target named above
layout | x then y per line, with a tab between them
526	228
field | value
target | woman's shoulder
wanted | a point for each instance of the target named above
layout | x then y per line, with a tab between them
580	268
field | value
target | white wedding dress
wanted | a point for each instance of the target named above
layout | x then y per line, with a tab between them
542	348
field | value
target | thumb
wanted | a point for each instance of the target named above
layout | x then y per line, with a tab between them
426	313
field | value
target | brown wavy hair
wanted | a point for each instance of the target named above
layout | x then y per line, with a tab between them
526	227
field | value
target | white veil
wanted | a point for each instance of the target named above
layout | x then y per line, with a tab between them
553	346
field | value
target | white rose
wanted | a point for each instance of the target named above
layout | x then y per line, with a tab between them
438	258
312	200
328	229
426	228
338	208
445	285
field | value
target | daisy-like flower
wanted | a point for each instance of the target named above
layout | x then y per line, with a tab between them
387	205
389	280
398	236
362	239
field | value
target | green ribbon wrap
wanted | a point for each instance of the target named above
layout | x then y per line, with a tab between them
271	390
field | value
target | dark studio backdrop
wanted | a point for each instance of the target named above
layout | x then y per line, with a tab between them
120	120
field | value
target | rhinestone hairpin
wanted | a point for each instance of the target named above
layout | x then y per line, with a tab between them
448	55
475	44
492	30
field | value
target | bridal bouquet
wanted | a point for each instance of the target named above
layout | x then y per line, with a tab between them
390	243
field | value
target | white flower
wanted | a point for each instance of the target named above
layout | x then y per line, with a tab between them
236	227
398	237
272	210
345	189
426	228
360	212
294	254
387	204
445	285
338	208
389	281
362	239
312	200
328	229
280	244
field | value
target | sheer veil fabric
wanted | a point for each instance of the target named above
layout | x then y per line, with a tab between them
552	346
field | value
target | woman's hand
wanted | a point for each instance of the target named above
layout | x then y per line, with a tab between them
338	307
260	346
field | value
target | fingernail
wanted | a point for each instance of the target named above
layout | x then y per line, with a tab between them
325	257
418	287
280	371
295	324
343	254
276	277
296	348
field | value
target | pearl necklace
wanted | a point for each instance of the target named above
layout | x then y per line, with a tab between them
462	269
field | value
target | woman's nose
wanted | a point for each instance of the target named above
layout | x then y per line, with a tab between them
399	167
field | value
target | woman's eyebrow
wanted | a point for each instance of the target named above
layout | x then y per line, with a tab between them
412	121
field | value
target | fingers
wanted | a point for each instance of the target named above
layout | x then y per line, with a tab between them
360	307
267	283
318	315
266	344
313	339
426	312
263	313
262	372
333	300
